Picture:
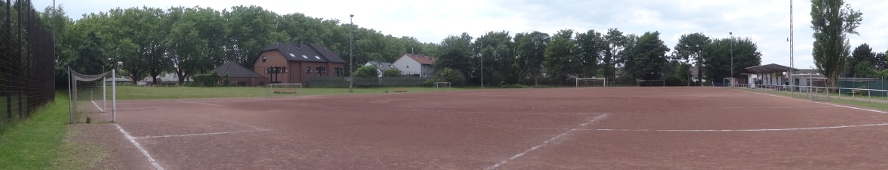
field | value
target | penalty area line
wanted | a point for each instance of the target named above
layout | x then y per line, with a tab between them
559	136
201	134
138	146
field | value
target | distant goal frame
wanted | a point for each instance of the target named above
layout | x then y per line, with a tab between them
447	84
577	81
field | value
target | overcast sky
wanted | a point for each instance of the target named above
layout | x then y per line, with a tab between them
766	22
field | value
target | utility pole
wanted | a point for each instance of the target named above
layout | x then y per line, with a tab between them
791	62
732	58
351	58
482	62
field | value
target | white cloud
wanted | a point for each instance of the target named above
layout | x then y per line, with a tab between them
765	22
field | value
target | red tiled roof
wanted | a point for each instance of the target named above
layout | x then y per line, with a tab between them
422	59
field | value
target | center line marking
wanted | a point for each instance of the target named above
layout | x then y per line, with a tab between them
504	161
144	152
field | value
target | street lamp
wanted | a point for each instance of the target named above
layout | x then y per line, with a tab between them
732	58
351	54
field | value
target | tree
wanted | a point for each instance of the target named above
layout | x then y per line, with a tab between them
881	63
531	48
592	47
690	48
717	57
831	23
647	58
499	58
252	29
861	62
560	58
456	54
616	43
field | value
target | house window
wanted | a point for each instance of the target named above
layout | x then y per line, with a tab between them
337	71
308	70
284	69
264	58
320	71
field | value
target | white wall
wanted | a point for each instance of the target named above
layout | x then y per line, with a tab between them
408	66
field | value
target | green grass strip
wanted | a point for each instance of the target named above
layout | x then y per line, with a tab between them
33	143
871	105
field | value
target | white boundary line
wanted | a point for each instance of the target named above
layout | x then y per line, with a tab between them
831	104
743	130
504	161
199	103
764	130
144	152
200	134
97	106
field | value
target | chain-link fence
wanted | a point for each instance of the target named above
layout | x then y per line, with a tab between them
27	62
322	81
847	85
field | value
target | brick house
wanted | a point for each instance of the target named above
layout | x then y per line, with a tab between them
296	62
238	75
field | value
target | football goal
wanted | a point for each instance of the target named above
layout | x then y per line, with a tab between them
441	85
590	82
91	96
284	89
651	83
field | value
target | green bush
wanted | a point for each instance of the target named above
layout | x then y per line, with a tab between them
452	76
391	73
366	71
429	82
205	80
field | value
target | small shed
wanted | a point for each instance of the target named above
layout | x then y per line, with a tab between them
238	74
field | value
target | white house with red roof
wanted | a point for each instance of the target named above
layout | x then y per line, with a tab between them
416	65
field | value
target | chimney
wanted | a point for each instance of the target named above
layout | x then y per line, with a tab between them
299	45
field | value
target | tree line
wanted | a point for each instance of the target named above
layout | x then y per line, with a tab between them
617	56
148	42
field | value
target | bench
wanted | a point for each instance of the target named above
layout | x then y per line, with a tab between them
400	90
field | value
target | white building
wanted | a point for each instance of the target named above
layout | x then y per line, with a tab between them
381	66
416	65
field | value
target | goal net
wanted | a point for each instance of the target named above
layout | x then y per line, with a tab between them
591	82
91	96
651	83
441	85
284	89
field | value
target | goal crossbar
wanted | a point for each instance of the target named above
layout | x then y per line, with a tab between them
577	81
83	91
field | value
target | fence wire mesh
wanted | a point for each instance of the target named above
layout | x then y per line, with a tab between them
27	62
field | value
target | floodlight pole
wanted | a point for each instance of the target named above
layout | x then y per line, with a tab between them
482	61
732	58
791	62
351	54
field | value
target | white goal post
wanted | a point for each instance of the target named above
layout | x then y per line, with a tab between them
579	81
284	89
88	96
439	85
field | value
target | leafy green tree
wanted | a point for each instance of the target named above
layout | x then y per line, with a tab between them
861	61
881	63
690	48
252	29
451	75
90	59
531	48
831	23
561	59
717	57
456	54
498	55
616	43
647	59
57	21
592	47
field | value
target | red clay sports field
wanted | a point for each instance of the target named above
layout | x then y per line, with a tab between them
557	128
